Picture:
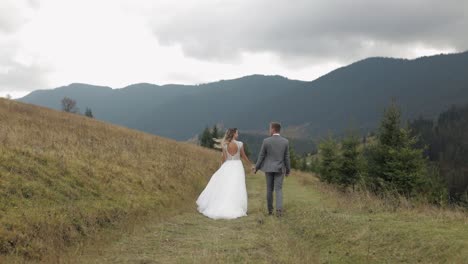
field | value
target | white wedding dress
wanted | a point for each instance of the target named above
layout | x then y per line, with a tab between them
225	195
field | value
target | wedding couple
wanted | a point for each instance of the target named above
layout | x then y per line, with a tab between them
225	195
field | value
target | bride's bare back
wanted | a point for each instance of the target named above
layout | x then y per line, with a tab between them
232	148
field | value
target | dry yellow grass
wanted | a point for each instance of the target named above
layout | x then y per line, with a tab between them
65	177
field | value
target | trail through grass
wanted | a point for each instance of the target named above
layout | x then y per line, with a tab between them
317	228
192	238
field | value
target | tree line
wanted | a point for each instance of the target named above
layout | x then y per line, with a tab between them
391	161
445	143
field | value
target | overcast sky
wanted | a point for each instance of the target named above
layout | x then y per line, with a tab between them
50	43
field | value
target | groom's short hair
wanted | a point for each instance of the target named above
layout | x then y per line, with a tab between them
276	126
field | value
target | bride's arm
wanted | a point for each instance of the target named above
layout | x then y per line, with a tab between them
223	157
245	158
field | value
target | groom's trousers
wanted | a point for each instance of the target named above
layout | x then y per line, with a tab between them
274	182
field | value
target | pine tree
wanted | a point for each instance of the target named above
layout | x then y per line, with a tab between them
206	139
303	166
293	158
349	165
89	113
329	161
394	162
215	132
314	165
390	132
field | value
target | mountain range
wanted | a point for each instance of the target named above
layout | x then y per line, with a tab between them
351	97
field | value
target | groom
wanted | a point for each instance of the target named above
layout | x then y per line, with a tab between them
273	159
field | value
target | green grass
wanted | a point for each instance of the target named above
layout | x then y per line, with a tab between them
192	238
354	228
321	225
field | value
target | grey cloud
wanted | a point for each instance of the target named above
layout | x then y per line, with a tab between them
34	3
302	31
16	76
12	14
20	77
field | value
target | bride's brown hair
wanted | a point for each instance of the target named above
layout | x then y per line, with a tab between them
229	136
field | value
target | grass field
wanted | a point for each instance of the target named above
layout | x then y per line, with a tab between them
76	190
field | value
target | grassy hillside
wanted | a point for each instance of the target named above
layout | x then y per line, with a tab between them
64	177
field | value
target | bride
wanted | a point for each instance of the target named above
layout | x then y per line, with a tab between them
225	195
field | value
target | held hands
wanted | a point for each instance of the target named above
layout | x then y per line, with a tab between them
254	170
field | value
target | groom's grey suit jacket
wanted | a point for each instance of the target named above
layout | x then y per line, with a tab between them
274	155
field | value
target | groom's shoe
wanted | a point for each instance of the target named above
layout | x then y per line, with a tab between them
270	212
279	213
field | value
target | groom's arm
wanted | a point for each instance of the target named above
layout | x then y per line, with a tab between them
287	160
261	157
